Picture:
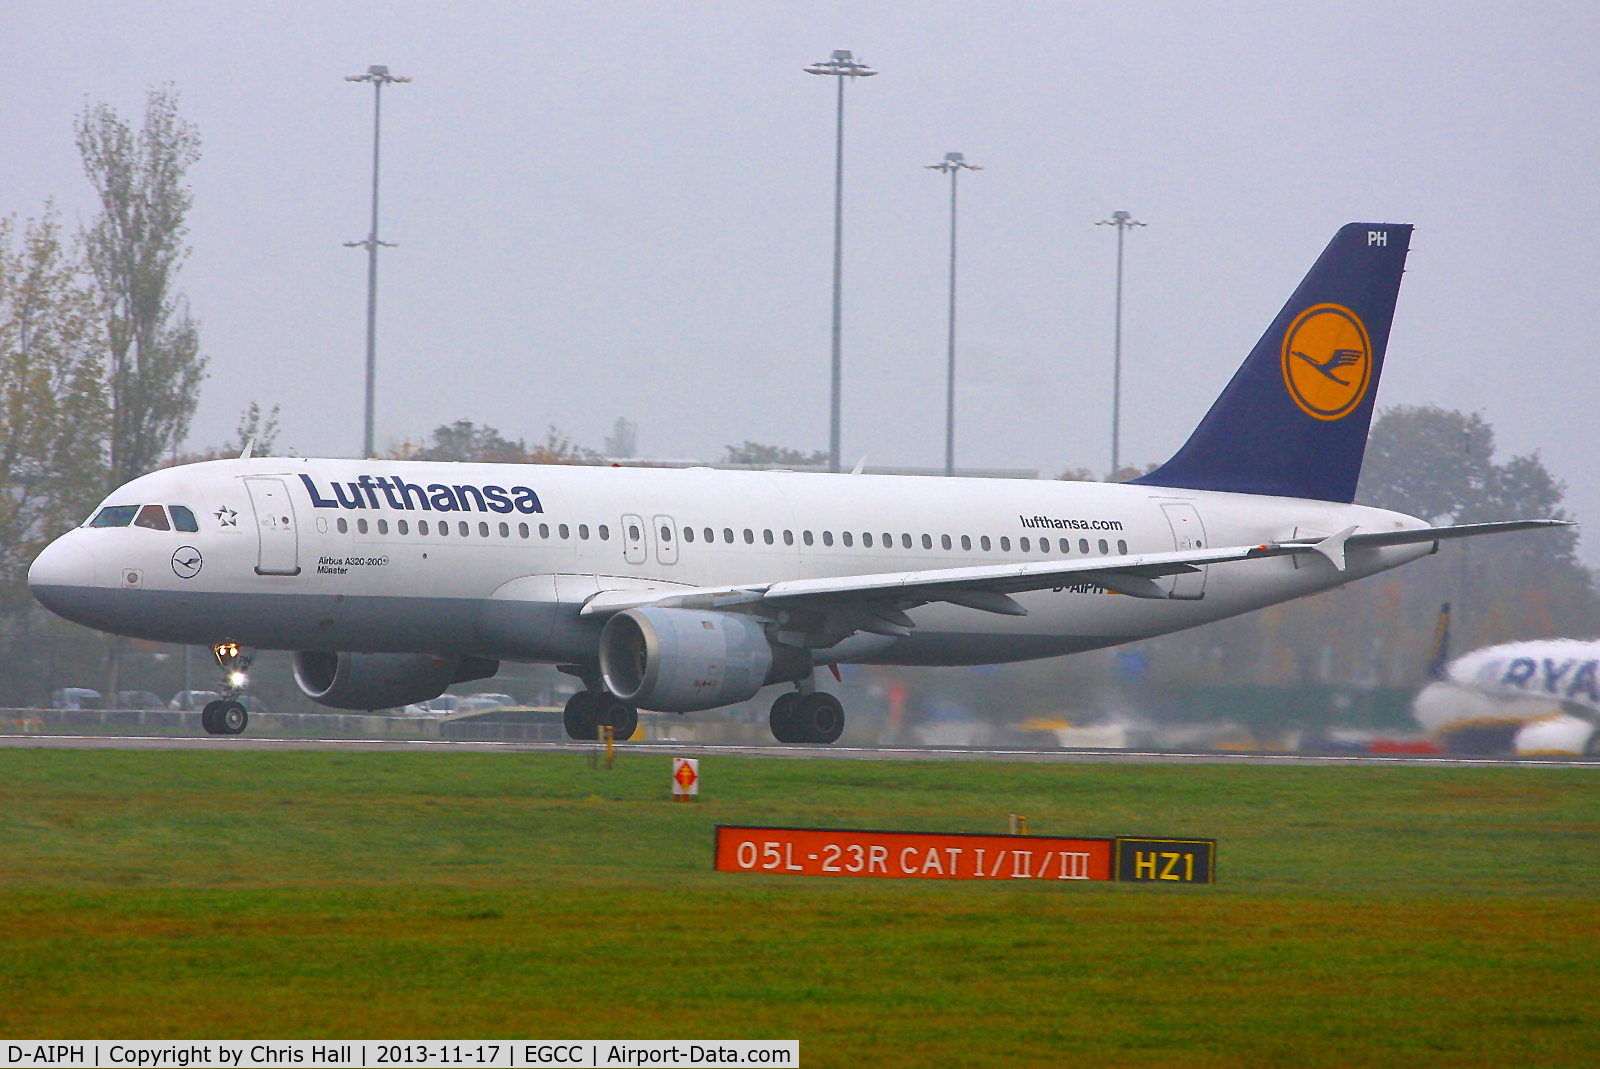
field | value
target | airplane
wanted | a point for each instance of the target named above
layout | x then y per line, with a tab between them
1531	698
689	589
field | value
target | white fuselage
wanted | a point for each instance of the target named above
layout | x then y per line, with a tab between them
501	558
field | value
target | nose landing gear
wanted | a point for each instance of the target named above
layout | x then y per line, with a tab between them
228	716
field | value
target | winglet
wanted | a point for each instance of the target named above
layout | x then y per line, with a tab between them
860	464
1332	547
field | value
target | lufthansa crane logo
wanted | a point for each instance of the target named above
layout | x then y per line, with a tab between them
186	562
1327	361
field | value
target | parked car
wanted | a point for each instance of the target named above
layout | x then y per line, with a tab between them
138	699
75	698
193	700
443	705
478	703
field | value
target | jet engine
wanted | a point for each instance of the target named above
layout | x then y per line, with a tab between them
679	660
383	680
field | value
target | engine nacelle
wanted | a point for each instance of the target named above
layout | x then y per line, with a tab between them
679	660
383	680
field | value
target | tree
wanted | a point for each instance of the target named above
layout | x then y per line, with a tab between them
772	455
52	400
252	427
135	249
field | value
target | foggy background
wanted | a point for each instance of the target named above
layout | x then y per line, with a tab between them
611	210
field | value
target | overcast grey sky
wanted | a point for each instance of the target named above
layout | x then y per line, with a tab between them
611	209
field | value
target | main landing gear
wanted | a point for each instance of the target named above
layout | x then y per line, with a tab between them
588	711
227	716
816	718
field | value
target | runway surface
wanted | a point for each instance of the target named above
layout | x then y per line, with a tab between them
835	753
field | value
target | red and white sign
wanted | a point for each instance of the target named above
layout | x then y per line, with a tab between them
899	855
685	778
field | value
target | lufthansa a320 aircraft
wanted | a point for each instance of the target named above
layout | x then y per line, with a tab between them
679	590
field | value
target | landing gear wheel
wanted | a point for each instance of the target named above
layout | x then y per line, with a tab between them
623	718
231	718
208	718
579	715
782	718
818	718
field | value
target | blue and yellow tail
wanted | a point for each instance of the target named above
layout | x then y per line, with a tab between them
1293	421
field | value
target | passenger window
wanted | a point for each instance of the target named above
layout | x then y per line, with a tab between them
403	527
361	526
444	528
605	533
866	539
633	532
806	535
984	542
827	538
583	531
888	540
905	541
1083	545
727	535
1044	545
749	537
461	528
153	517
1122	547
114	516
846	537
183	519
1022	543
522	530
688	534
944	541
505	529
1103	547
966	543
766	536
344	526
711	536
564	531
1066	545
666	534
544	530
1005	544
383	526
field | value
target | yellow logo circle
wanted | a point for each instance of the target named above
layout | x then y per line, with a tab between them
1327	361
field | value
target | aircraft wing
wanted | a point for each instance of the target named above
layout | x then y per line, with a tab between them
988	587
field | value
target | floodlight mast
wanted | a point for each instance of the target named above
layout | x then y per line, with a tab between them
953	164
1123	221
379	76
842	65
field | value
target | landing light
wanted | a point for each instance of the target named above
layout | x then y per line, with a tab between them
238	679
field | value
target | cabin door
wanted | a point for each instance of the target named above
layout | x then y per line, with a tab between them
278	541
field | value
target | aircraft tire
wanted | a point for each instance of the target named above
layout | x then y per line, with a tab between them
231	718
208	718
782	718
579	716
623	718
819	719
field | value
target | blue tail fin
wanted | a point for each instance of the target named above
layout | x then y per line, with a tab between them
1293	421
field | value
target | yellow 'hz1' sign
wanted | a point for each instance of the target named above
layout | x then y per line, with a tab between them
1166	860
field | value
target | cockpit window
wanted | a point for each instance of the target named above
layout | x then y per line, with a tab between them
153	517
183	519
114	516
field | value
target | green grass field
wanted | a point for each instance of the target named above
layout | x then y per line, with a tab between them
1364	916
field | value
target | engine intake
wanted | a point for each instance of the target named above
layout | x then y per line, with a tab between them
383	680
680	660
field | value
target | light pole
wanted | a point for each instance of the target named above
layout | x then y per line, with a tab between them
379	76
953	164
1122	221
841	66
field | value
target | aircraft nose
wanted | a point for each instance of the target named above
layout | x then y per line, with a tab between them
64	563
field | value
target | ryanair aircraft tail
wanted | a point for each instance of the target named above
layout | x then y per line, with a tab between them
1293	421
